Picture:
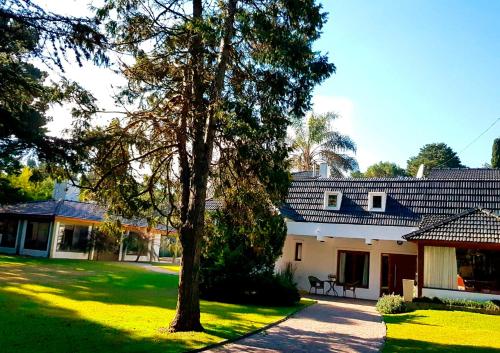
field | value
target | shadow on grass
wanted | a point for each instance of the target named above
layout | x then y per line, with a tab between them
28	325
405	318
409	345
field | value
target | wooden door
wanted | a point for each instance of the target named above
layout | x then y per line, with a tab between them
395	268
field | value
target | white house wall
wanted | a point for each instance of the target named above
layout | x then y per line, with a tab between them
320	259
348	230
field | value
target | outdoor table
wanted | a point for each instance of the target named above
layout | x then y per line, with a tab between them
331	282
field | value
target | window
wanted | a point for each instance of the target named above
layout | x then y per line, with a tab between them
377	201
478	270
37	236
332	200
298	251
353	267
8	233
73	238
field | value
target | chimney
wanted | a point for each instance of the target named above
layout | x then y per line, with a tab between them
65	191
420	172
323	170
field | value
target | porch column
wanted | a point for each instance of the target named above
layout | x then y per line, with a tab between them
53	238
420	269
92	249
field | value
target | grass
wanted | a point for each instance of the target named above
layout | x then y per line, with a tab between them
82	306
442	331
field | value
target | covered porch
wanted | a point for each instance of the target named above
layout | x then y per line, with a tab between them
375	258
459	257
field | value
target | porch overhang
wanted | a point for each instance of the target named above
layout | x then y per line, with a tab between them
366	232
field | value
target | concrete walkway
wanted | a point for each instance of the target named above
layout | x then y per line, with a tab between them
150	267
331	325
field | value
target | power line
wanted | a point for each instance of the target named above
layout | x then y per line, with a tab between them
471	143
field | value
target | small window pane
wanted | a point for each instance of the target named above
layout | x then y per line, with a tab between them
377	201
332	200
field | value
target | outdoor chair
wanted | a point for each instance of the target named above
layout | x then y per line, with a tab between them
316	283
350	287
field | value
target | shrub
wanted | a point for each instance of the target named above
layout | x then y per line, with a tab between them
463	303
391	304
263	288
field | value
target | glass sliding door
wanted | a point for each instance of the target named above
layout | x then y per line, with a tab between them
8	233
37	236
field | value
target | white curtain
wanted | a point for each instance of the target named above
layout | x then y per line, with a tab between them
440	267
342	267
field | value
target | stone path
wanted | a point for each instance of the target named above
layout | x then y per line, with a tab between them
150	267
337	325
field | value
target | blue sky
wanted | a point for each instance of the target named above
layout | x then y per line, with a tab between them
414	72
408	73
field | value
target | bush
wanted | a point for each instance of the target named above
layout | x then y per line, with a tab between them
242	242
391	304
262	289
461	303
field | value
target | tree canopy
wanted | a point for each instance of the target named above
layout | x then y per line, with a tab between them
28	32
434	155
212	82
381	170
316	142
495	154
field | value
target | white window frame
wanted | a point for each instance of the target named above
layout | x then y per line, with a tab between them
370	201
339	200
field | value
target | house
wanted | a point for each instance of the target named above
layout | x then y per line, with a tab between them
62	228
443	231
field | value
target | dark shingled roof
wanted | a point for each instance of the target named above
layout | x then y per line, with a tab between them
475	225
465	173
71	209
408	199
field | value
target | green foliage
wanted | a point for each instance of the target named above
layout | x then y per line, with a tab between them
316	141
434	155
381	170
391	304
242	242
31	184
464	303
106	237
28	32
495	154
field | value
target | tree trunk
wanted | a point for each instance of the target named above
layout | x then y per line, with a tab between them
187	317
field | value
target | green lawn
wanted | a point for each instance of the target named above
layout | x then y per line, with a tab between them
442	331
80	306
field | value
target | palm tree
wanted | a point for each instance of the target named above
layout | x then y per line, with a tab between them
316	142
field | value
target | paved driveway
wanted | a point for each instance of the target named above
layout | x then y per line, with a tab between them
337	325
